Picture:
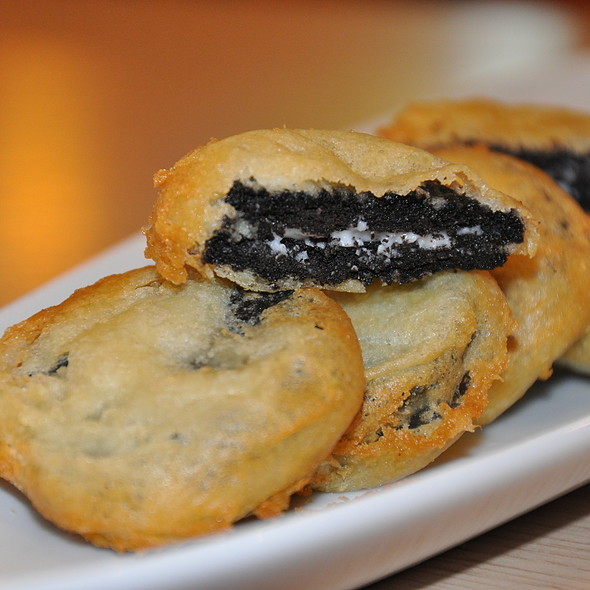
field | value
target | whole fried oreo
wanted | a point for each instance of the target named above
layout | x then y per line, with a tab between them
431	351
280	209
548	294
138	413
555	139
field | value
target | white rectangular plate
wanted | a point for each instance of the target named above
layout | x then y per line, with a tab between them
533	453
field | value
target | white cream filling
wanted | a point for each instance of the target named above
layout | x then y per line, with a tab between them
357	237
473	230
277	247
352	238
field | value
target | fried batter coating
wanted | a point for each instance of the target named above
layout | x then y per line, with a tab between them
280	209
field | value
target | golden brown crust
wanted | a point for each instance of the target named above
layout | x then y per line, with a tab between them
549	293
577	356
431	350
137	413
190	203
433	124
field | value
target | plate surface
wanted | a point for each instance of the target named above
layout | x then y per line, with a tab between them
535	452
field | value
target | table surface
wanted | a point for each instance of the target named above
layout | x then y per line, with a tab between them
95	97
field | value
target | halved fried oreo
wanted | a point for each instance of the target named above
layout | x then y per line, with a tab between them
280	209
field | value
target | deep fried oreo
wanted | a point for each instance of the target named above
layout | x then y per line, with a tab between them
139	413
279	209
554	139
431	350
548	294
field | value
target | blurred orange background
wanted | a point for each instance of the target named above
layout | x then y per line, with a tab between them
96	96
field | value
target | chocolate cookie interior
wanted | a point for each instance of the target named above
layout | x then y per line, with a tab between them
569	169
334	234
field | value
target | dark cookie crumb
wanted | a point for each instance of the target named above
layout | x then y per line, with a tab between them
460	391
62	361
420	407
569	170
246	307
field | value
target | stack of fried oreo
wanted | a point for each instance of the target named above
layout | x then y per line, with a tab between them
328	310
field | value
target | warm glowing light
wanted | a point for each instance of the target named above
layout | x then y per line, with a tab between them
49	179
